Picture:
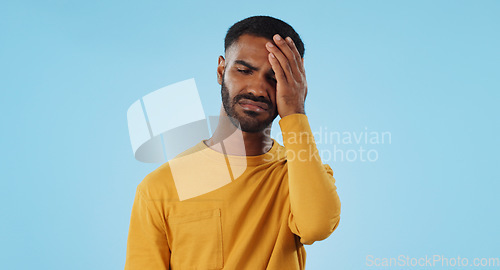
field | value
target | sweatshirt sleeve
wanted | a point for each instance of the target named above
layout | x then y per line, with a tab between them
314	202
147	245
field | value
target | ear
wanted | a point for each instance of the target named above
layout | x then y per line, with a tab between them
220	69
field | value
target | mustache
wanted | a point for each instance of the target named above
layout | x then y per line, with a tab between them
252	98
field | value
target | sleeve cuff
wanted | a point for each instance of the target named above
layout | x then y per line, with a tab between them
296	121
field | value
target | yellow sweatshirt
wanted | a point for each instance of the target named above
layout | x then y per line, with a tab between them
207	210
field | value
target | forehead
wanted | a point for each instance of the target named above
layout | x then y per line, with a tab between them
248	47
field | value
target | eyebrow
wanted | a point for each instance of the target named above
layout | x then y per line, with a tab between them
248	65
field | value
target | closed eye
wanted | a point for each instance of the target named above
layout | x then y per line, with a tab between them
244	71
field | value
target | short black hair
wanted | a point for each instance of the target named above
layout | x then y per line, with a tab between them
263	26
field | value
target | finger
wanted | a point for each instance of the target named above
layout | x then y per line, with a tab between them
286	49
281	58
278	70
296	53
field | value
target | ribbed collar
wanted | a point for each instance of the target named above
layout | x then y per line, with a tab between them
276	152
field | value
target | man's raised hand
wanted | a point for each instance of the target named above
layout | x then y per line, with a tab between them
288	67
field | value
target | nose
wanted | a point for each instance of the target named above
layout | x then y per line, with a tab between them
259	86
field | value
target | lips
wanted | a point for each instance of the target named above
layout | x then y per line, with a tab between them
250	104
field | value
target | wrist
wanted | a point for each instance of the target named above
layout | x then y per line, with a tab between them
296	111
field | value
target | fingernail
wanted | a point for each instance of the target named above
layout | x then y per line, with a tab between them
289	39
278	37
270	45
272	55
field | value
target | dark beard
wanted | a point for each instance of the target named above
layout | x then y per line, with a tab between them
249	122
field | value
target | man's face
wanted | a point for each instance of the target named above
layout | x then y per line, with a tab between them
248	85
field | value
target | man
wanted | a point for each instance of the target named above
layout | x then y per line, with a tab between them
239	200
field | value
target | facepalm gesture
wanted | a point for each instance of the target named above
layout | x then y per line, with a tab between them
288	67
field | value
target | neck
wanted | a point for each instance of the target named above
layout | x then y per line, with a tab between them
230	140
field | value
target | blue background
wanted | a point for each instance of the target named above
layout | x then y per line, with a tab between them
425	71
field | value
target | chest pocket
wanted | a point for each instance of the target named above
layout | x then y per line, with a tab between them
196	240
